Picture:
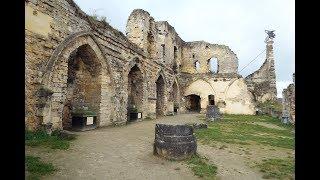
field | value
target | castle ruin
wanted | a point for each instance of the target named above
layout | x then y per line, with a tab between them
73	59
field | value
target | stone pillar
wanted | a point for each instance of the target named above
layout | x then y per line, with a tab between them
271	68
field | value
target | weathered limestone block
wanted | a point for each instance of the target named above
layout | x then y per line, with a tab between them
175	142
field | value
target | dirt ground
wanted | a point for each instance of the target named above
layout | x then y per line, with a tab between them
126	153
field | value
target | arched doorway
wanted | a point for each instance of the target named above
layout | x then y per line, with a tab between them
160	96
175	97
193	103
83	88
135	91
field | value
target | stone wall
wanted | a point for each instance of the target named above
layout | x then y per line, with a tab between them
64	28
288	101
78	59
230	92
262	83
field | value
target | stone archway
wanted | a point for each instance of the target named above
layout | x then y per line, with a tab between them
135	90
193	103
77	73
160	92
83	89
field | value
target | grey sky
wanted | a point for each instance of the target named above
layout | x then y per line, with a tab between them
239	24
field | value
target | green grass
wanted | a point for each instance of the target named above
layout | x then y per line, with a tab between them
55	141
37	168
240	129
271	104
277	168
201	167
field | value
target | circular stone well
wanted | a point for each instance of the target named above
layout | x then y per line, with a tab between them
174	142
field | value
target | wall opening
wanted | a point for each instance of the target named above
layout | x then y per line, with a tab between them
193	103
197	66
160	96
213	65
211	100
174	97
83	91
163	51
175	53
151	45
174	64
135	91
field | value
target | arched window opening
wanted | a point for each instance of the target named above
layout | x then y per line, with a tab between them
197	66
213	65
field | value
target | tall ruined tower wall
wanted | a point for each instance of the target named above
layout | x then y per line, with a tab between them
262	83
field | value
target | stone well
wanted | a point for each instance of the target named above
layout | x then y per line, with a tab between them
174	142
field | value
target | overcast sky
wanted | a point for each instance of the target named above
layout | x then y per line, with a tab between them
239	24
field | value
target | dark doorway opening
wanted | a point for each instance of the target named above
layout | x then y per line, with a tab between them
174	97
193	103
211	99
135	93
160	96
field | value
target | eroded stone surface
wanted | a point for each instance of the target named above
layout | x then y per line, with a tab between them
81	59
175	142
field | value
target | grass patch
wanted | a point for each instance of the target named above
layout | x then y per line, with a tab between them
275	105
200	167
55	141
277	168
240	129
37	168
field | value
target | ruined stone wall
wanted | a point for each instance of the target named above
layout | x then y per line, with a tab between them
262	83
288	101
202	52
230	92
158	39
164	46
56	29
47	23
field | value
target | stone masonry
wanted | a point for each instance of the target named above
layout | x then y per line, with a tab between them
72	59
262	83
288	101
